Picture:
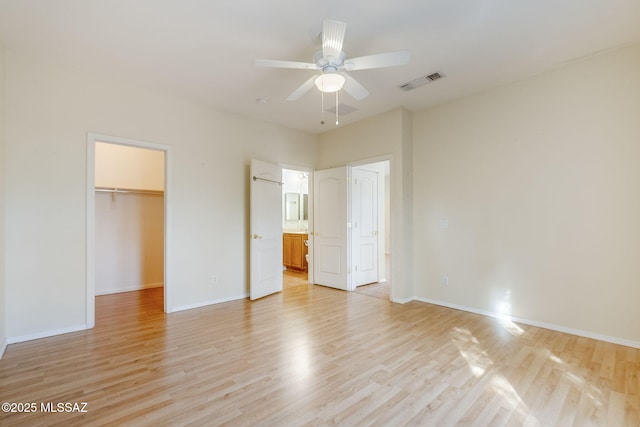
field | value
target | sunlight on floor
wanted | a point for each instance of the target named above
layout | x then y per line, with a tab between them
300	361
504	389
511	327
470	349
592	392
480	364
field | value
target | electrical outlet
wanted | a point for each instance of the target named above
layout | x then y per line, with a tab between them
445	280
214	280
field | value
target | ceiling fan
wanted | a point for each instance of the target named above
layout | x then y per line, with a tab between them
333	64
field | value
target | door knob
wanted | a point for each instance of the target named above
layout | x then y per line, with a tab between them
255	236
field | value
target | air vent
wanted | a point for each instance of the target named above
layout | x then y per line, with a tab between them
421	81
343	109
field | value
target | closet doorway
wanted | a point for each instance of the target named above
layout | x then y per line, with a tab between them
126	223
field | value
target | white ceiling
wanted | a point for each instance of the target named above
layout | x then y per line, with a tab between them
203	49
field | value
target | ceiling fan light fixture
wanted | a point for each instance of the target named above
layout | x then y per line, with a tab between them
330	83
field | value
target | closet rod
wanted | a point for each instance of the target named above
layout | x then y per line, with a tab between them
257	178
129	191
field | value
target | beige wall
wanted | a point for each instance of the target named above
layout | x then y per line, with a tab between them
3	324
121	166
49	112
381	136
540	184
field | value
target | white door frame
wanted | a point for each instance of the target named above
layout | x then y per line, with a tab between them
92	138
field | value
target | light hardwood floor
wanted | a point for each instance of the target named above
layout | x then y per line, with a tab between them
294	278
317	356
377	290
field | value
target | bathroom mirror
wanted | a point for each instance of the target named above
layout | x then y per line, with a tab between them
291	206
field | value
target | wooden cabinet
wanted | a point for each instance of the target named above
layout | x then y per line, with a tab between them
294	250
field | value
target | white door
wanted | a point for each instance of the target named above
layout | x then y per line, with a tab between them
330	237
266	229
364	226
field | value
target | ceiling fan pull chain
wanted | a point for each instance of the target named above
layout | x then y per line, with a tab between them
337	107
322	107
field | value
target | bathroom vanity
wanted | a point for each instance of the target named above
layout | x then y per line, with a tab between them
294	250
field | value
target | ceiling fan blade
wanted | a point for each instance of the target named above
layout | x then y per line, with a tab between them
354	88
332	38
304	88
285	64
389	59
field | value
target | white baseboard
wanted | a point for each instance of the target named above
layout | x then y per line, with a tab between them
206	303
402	300
46	334
572	331
128	289
3	347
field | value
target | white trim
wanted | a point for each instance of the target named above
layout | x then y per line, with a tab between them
129	289
46	334
578	332
295	168
370	160
90	252
3	348
92	138
350	286
210	302
402	300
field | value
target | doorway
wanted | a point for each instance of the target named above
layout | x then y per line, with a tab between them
351	226
137	187
129	218
370	228
295	226
328	214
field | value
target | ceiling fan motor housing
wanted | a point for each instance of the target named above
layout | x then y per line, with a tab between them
329	64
